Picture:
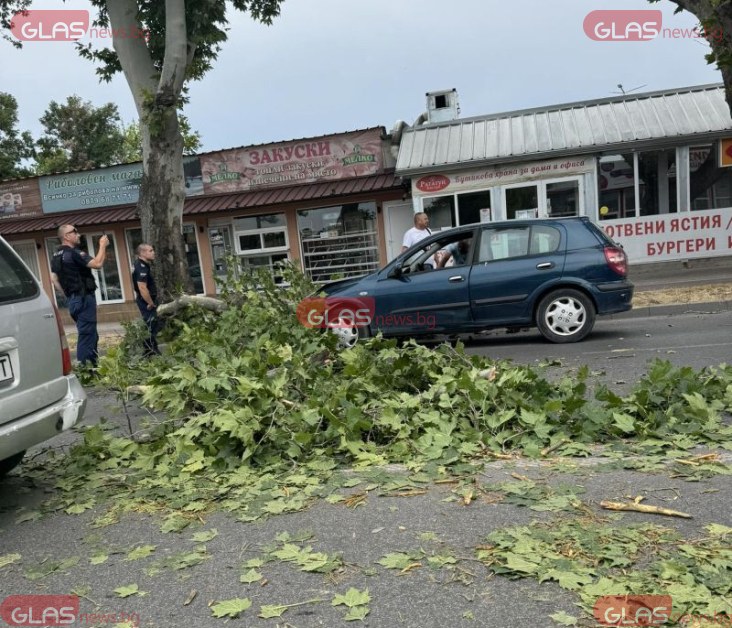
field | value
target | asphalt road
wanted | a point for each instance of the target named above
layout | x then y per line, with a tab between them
434	523
619	348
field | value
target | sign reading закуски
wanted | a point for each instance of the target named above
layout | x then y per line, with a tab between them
326	158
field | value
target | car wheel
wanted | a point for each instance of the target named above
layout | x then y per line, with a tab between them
349	335
565	316
10	463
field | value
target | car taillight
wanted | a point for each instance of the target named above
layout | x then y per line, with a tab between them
617	260
65	352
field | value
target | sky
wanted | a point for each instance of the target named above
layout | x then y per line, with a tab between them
331	66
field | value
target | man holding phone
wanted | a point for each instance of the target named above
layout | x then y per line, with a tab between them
71	273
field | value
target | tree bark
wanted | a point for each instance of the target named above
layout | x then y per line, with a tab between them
157	95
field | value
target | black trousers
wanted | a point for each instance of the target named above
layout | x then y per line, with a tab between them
150	345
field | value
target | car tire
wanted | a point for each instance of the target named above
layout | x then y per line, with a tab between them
565	316
10	463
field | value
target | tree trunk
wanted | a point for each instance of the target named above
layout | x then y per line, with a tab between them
161	199
156	93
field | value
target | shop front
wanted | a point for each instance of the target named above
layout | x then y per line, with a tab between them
654	170
315	201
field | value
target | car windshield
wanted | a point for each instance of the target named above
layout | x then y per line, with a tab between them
16	281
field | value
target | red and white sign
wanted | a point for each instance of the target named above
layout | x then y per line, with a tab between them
293	163
432	183
668	237
40	610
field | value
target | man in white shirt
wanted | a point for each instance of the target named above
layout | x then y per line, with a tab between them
417	233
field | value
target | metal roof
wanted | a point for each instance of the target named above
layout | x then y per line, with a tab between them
209	204
572	128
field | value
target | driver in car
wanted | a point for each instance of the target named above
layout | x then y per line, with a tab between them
457	251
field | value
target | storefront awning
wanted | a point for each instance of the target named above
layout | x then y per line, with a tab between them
211	204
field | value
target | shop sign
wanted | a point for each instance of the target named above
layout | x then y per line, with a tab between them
667	237
20	199
484	178
293	163
432	183
105	187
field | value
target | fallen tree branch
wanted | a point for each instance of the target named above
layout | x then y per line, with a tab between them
210	303
637	507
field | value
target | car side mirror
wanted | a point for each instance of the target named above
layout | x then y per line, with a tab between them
395	272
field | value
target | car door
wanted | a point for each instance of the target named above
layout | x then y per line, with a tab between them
514	263
424	302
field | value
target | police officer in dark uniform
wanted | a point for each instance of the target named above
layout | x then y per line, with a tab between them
147	295
71	272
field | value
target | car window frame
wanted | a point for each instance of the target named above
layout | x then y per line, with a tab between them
30	287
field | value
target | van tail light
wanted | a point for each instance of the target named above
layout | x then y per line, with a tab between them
616	259
65	352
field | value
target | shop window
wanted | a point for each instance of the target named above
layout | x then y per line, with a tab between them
657	182
616	183
109	286
441	211
133	239
27	252
261	241
522	202
710	187
562	198
474	207
339	241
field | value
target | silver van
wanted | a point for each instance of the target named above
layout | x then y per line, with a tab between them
39	395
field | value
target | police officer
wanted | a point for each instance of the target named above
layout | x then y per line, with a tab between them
71	272
147	295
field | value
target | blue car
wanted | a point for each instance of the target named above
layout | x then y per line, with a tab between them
554	274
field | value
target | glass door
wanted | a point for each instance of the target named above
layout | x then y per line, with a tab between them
221	249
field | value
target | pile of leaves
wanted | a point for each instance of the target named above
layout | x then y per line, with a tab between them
252	386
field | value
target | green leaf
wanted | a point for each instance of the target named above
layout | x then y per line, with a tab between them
128	590
272	610
98	559
250	576
174	523
353	597
9	559
564	619
205	536
231	608
357	613
396	560
141	552
625	422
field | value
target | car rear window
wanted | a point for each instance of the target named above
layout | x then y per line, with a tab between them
16	281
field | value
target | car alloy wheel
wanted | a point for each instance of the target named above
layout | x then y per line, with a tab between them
565	316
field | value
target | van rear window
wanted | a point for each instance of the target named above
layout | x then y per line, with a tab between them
16	281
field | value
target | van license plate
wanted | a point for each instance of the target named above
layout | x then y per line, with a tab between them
6	368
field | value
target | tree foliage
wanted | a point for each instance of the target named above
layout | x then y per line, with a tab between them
160	47
15	146
77	136
132	140
715	21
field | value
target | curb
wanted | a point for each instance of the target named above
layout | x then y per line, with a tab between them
646	311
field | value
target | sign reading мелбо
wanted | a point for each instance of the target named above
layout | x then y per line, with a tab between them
104	187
